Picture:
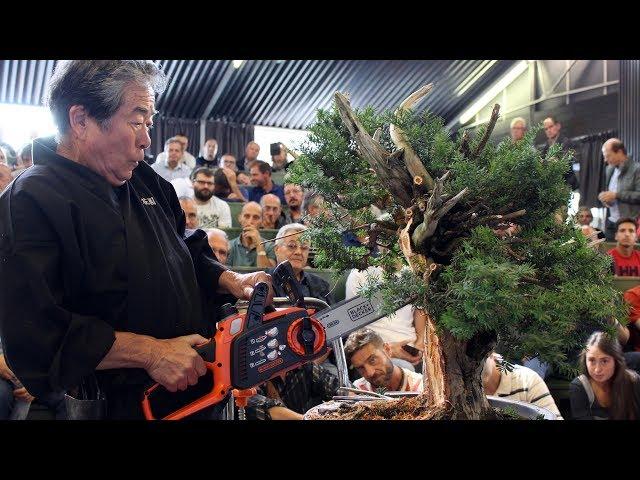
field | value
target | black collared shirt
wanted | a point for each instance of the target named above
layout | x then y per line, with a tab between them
80	259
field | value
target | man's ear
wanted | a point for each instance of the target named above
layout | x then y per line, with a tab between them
387	349
78	121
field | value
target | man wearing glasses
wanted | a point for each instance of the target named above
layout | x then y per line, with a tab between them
289	246
212	212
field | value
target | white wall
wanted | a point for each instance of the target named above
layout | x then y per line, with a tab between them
265	136
19	124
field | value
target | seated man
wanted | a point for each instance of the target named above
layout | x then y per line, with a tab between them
226	186
583	219
626	260
290	395
247	250
219	243
371	357
171	167
293	194
212	212
229	161
190	210
521	384
272	216
293	249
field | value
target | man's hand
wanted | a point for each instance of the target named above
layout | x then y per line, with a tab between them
5	371
398	352
22	394
607	197
251	236
241	285
231	176
283	413
175	364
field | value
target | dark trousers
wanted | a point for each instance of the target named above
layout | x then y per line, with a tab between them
610	230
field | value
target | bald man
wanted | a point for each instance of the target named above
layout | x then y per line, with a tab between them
251	153
190	212
272	216
247	250
622	197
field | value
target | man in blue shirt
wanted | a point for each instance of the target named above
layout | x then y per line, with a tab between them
261	179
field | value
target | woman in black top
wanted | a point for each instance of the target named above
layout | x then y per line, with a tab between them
607	389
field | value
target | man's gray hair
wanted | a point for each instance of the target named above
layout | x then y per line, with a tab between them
287	229
99	86
518	120
217	231
311	197
172	140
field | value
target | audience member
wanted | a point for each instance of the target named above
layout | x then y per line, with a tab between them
186	158
272	216
583	219
229	161
248	249
226	186
243	179
219	243
366	352
208	154
290	246
312	205
190	210
622	197
606	389
518	129
521	384
171	167
261	179
212	212
293	195
251	152
626	259
25	159
5	175
552	130
279	161
632	297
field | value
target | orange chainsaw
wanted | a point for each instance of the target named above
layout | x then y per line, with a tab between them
250	348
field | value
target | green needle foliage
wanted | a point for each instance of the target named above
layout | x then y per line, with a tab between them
542	290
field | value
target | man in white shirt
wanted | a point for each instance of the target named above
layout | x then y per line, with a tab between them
171	168
212	212
521	384
186	158
406	326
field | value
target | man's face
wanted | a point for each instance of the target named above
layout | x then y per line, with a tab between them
281	158
294	250
5	176
220	247
374	365
517	131
211	148
184	141
626	234
251	216
271	209
551	129
584	217
203	187
114	150
191	212
243	179
174	154
257	178
293	195
252	151
229	161
610	157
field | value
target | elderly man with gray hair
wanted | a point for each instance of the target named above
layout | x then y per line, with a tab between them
518	129
171	167
290	245
92	238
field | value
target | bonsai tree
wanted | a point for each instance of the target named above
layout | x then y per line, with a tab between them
476	227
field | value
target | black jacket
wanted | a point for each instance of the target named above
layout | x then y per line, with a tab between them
569	176
80	259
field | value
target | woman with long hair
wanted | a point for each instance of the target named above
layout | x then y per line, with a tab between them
607	389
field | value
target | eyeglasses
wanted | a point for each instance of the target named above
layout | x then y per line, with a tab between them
293	246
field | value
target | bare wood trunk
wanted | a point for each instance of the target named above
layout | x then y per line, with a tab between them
433	366
463	362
